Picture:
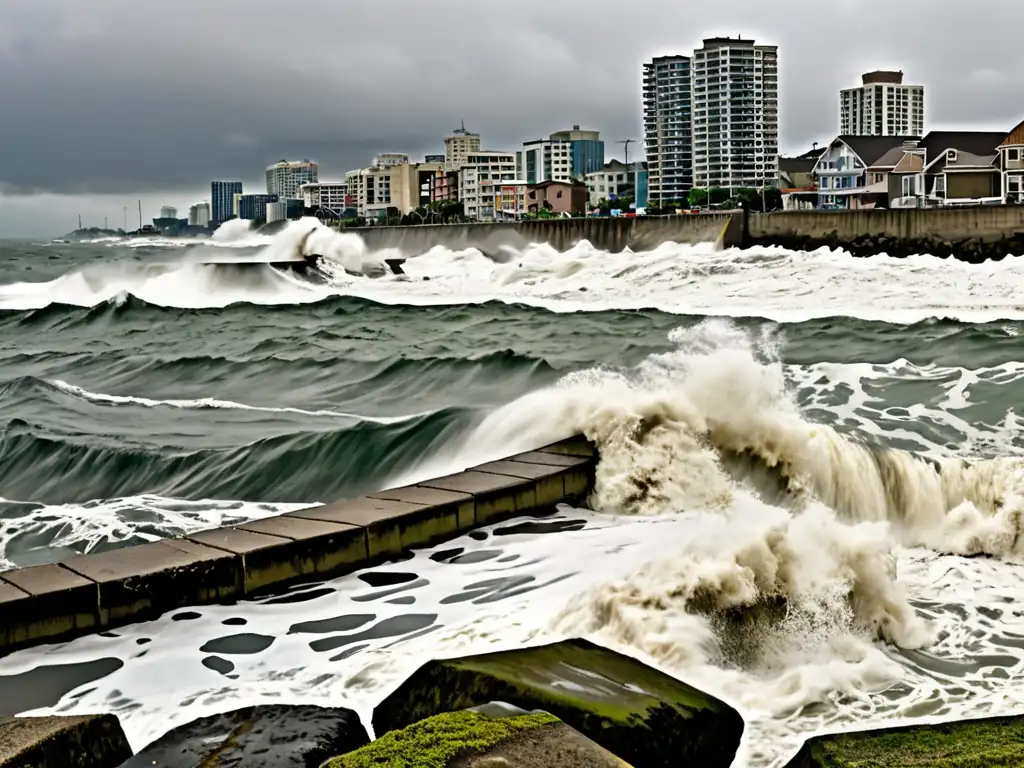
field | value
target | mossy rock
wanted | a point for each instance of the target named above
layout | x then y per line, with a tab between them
996	742
272	736
89	741
467	739
639	714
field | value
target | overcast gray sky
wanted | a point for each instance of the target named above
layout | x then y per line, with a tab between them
106	101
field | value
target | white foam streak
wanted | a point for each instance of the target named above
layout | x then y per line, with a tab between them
209	402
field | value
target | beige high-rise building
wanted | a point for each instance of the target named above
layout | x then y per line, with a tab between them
458	146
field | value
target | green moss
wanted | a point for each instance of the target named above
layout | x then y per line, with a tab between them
637	688
433	742
990	743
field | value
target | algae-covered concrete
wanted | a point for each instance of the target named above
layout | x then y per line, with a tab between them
637	713
89	741
987	743
470	739
60	601
273	736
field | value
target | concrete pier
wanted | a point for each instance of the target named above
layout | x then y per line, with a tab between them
89	593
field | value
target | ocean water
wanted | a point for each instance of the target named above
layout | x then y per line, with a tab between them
838	435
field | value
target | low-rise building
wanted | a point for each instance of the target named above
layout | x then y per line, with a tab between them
852	172
1011	165
948	168
557	197
797	183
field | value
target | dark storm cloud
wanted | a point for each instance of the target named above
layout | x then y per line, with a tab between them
122	96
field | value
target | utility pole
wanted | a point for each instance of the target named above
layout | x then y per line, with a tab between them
625	145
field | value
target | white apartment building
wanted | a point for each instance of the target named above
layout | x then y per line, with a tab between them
547	160
168	212
882	106
481	180
614	179
325	194
668	127
285	177
458	146
199	215
735	91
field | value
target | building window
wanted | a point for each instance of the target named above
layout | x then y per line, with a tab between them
940	186
1013	155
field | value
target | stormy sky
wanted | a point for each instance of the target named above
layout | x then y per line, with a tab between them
106	101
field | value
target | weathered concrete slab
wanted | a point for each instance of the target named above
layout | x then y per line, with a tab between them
145	580
639	714
495	496
573	446
996	742
55	602
470	739
316	548
391	526
90	741
257	737
267	557
551	459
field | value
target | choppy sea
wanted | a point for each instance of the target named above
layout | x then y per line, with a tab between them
838	432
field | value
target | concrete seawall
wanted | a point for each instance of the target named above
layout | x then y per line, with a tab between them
967	234
607	234
89	593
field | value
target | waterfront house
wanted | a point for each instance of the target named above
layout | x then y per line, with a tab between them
557	197
796	180
1011	165
853	171
948	168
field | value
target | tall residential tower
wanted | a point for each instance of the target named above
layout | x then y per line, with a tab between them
735	114
882	106
285	177
711	120
668	128
222	201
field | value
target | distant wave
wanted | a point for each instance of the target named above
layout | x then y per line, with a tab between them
678	279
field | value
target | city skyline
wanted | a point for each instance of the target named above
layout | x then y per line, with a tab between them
161	128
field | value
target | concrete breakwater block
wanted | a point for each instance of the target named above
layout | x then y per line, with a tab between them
996	742
90	741
257	737
639	714
483	739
